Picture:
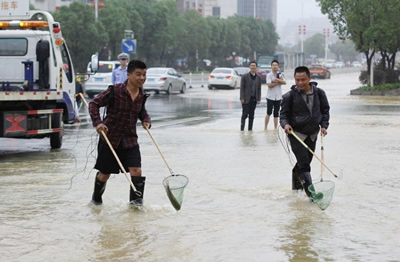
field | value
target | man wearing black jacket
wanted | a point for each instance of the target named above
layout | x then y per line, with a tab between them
304	111
250	95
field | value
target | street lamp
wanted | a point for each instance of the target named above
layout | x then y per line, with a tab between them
254	9
326	35
302	32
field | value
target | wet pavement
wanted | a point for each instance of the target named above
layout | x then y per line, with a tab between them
238	205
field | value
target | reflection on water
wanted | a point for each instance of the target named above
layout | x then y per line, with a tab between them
238	205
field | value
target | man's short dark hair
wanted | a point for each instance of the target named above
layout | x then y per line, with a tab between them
302	69
253	62
136	64
274	61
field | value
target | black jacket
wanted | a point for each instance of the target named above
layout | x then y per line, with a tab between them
294	111
245	88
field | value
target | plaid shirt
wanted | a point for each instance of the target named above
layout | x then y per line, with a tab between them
122	117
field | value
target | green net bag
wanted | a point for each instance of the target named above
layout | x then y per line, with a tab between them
174	186
322	193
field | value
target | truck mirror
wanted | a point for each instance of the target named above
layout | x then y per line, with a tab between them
94	63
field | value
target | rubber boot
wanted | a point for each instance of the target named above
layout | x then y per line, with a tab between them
99	188
242	124
251	124
296	184
306	181
138	182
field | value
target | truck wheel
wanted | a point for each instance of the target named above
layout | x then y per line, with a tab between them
56	138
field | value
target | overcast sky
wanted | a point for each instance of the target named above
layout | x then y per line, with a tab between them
291	10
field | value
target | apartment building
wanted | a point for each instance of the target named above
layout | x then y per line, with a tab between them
263	9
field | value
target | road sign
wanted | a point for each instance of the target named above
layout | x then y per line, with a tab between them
128	46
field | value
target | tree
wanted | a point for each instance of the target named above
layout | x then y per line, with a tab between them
371	24
84	37
115	20
315	45
344	50
197	37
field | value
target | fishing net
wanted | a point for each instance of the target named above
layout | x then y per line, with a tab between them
322	193
174	186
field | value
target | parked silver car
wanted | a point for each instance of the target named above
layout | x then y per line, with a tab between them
100	81
164	79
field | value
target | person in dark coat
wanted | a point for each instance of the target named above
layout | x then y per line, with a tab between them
250	95
304	111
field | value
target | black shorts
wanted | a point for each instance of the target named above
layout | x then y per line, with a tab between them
106	163
275	104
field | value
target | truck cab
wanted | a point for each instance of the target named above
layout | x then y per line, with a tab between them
37	80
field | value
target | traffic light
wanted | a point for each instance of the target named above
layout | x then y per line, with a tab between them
100	3
302	29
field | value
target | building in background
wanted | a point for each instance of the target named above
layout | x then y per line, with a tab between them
263	9
217	8
50	5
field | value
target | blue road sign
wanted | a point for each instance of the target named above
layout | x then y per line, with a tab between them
128	46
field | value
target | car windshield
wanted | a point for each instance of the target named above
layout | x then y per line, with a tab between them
106	68
222	71
156	71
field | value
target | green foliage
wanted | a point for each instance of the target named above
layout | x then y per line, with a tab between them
315	45
344	50
372	25
381	76
381	87
83	36
162	35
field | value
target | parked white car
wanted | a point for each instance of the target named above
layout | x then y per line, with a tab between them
164	79
100	81
224	77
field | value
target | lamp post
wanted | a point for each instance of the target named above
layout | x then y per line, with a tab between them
254	9
326	35
302	32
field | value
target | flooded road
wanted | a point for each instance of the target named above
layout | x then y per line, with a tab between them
238	205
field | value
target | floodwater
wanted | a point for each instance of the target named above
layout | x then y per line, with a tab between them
238	205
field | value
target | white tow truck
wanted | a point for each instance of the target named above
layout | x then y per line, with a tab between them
37	80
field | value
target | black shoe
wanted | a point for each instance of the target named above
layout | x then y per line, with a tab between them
94	202
139	183
99	188
306	181
137	202
296	184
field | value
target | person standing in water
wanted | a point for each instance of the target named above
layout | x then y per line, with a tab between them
304	111
250	95
275	80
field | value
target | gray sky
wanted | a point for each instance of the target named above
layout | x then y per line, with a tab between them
291	10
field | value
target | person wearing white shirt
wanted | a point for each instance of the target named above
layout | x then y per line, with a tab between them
274	94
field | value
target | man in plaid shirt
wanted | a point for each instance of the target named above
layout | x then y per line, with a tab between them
125	105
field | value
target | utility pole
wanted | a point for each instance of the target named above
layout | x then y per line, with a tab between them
254	16
96	10
373	55
302	32
326	35
254	9
197	50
